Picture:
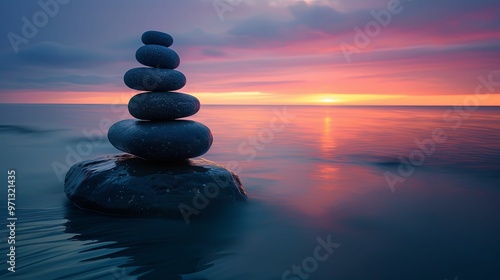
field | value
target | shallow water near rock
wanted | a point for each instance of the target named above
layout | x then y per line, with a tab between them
318	173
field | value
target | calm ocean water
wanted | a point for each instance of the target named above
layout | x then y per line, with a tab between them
397	203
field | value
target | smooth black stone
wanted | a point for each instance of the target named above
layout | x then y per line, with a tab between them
161	141
154	79
160	106
157	56
157	38
127	185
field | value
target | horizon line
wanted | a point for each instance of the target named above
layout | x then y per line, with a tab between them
309	105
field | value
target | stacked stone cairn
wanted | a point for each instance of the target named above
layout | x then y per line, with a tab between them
159	135
160	174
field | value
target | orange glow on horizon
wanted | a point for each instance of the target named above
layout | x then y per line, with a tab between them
261	98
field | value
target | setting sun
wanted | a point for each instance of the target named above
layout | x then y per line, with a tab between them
328	100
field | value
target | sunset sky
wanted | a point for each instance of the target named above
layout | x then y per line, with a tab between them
258	52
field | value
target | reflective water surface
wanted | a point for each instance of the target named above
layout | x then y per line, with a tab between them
400	203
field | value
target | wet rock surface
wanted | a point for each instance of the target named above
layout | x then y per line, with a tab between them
127	185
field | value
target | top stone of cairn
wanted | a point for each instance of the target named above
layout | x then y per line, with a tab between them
157	38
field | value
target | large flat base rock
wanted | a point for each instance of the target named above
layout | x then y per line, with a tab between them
128	185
